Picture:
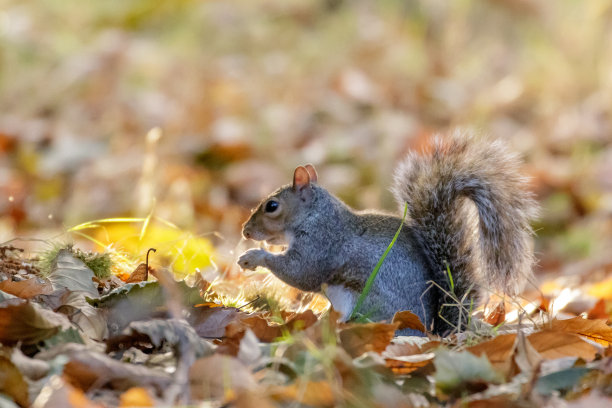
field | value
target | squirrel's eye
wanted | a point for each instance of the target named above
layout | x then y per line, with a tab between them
271	206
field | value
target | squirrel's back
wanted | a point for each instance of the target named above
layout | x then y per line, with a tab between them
485	246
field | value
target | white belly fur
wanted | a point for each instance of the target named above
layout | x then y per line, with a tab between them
342	300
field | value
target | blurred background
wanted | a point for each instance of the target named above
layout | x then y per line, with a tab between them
191	111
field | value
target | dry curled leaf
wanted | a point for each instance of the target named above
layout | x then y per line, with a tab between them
402	365
496	315
140	274
408	320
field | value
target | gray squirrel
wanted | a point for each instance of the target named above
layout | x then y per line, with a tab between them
467	232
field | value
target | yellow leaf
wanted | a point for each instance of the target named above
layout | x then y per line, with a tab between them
181	249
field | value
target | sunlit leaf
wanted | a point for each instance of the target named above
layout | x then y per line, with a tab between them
596	330
184	251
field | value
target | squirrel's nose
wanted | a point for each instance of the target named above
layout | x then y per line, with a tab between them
246	233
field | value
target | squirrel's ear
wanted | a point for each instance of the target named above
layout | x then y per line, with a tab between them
311	172
301	178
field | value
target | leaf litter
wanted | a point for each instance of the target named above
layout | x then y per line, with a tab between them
70	337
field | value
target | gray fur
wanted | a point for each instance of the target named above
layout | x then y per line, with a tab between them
331	244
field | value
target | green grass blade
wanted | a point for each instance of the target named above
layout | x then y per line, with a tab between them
450	277
96	223
370	281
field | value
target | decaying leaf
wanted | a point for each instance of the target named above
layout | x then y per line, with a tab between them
72	273
357	339
24	321
560	380
86	368
91	321
131	302
158	332
457	372
143	300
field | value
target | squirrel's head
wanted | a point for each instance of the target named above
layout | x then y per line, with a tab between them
271	221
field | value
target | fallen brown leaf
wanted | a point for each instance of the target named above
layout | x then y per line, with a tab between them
267	332
596	330
26	289
498	350
407	364
311	393
87	368
553	344
357	339
408	320
497	315
140	274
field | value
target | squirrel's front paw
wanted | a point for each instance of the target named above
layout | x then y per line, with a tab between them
252	258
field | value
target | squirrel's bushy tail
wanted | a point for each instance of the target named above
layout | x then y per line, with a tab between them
492	249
